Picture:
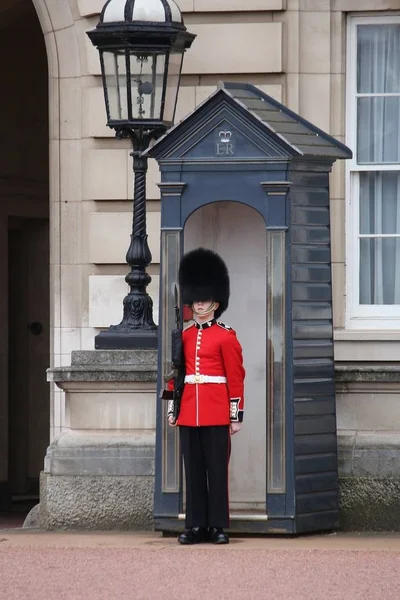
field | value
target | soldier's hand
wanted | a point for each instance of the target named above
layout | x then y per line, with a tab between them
172	421
235	428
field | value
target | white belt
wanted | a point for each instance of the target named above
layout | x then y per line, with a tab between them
205	379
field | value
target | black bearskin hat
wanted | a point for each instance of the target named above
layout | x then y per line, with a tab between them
203	275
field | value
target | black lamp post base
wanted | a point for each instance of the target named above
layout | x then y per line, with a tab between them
125	340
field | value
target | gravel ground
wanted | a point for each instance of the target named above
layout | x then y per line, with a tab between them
71	568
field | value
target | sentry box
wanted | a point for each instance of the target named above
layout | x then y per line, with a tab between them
245	176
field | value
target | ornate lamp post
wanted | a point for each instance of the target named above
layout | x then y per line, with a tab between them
141	45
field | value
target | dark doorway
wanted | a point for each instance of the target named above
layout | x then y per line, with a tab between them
24	258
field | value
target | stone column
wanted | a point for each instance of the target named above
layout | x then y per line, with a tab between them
99	474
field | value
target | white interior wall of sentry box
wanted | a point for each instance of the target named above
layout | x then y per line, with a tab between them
238	234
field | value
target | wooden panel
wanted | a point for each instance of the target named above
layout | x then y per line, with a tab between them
315	463
313	368
311	387
309	348
305	407
311	273
310	330
315	425
315	444
310	483
310	235
315	502
311	254
323	521
314	292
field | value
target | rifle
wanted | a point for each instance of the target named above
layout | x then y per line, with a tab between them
178	365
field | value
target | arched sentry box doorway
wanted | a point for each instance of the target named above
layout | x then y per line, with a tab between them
249	178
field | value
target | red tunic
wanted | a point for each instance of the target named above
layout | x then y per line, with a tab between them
212	349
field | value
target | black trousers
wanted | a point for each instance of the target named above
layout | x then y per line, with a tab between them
206	452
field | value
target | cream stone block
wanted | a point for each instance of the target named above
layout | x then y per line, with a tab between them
111	410
315	99
364	5
186	102
68	52
91	54
338	293
315	42
110	236
293	91
71	297
338	180
338	42
338	227
52	55
55	219
88	8
66	340
338	95
153	178
43	16
365	411
291	21
71	170
54	109
224	48
105	174
69	223
61	17
87	336
315	5
369	351
106	293
94	114
70	108
237	5
186	5
55	295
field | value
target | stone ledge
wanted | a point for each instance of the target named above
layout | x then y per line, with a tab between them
134	373
107	366
81	453
369	454
367	372
143	358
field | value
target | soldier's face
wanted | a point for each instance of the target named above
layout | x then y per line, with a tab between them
205	308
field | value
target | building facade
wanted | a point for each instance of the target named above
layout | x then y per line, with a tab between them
65	210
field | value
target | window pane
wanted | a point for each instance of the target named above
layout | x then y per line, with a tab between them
174	73
378	130
378	58
147	78
115	74
380	202
380	271
276	362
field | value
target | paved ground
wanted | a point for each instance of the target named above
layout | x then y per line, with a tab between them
75	566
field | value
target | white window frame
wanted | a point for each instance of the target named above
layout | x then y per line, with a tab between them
361	316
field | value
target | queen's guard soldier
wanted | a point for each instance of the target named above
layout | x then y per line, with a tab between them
211	405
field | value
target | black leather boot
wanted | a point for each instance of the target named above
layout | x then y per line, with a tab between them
218	536
194	535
